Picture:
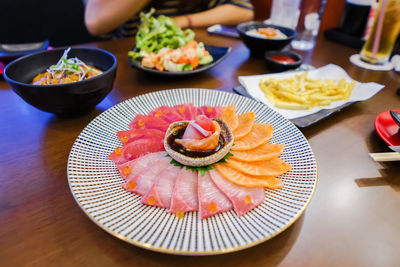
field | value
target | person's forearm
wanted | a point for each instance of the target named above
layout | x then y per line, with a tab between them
103	16
225	14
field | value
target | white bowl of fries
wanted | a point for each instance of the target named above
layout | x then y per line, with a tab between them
298	94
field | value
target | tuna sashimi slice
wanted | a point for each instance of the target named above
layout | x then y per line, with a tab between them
141	183
160	193
211	199
117	156
135	134
168	114
243	199
187	111
210	112
185	197
136	149
134	167
141	147
149	122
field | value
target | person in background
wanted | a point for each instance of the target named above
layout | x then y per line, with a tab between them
121	17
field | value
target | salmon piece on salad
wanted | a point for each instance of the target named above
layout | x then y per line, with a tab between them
243	199
211	199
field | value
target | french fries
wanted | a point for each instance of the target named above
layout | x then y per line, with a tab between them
302	92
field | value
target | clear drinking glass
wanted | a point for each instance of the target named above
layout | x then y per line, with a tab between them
378	48
308	25
285	13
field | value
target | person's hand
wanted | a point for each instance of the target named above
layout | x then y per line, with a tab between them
182	21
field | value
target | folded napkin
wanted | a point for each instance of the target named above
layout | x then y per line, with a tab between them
361	91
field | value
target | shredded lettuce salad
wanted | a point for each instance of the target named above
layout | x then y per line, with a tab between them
157	33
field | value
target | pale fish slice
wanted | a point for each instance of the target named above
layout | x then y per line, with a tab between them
185	195
134	167
141	183
160	193
243	199
211	199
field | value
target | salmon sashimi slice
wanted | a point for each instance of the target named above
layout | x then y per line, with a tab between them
229	116
272	167
246	121
243	199
199	128
184	196
211	199
260	134
134	167
168	114
264	152
207	143
160	193
239	178
141	182
149	122
187	111
210	112
135	134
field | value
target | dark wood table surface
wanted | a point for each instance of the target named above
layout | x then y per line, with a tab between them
352	220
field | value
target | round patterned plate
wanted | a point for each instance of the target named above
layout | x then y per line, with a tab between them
96	183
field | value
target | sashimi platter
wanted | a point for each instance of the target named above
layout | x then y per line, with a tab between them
192	172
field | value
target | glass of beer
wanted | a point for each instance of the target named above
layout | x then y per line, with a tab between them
378	48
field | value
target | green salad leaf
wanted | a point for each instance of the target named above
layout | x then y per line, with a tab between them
156	33
201	169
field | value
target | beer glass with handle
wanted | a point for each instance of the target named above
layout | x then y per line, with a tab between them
386	28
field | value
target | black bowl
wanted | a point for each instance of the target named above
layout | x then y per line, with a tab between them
277	66
62	99
218	53
259	45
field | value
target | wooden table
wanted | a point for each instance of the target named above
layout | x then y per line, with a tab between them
352	220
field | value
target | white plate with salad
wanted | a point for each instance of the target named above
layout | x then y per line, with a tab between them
163	48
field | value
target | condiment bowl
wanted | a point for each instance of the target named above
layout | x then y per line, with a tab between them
62	99
275	60
198	161
259	45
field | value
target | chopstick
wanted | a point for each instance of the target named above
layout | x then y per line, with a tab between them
387	156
